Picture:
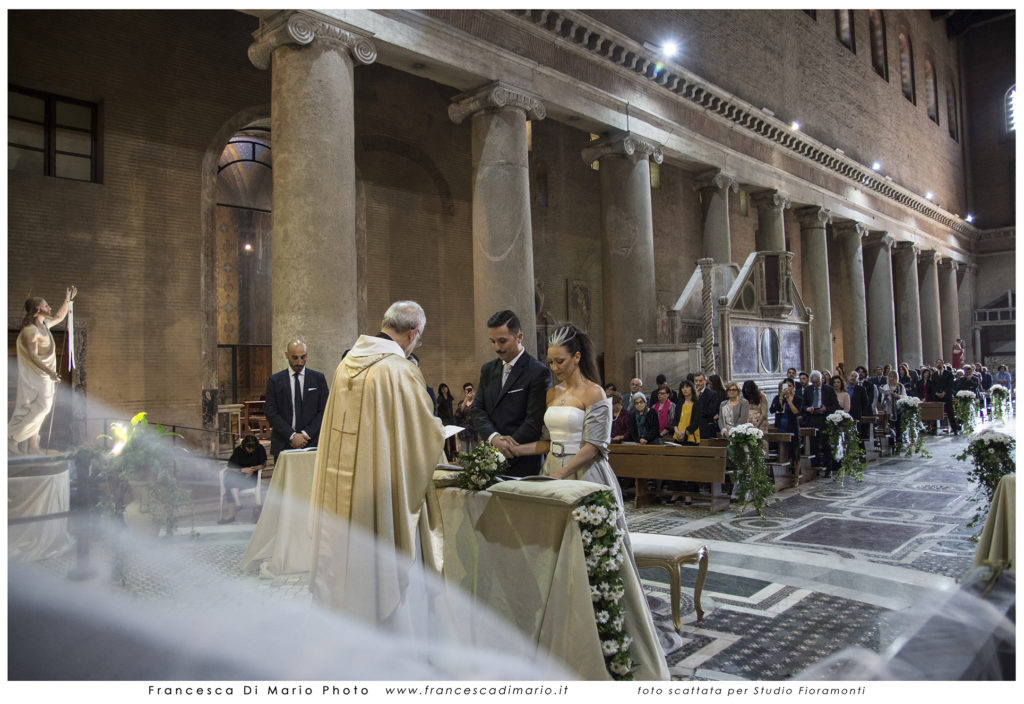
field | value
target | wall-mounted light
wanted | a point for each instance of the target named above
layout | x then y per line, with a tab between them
969	218
247	247
877	166
795	125
929	195
669	49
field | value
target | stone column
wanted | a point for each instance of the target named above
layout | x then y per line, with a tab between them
707	316
931	326
815	271
880	304
855	315
714	192
966	304
502	232
771	225
908	301
627	248
949	306
314	284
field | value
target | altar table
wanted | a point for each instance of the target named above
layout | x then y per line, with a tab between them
997	544
517	549
282	534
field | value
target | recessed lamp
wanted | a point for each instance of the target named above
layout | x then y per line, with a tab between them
969	218
877	166
929	195
795	125
247	247
669	48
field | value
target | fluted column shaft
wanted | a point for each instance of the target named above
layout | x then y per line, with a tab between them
771	223
880	304
855	317
502	231
815	269
313	219
931	325
627	248
949	305
908	301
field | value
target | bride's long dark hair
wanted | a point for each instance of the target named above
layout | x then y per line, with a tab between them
575	340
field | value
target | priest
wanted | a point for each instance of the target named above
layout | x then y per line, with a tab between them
379	445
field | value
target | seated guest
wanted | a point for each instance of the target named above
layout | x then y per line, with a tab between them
643	423
666	412
243	471
758	403
685	415
786	406
733	411
620	418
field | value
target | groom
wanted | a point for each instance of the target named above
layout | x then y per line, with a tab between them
511	394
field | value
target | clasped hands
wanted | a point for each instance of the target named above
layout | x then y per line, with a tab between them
299	440
504	445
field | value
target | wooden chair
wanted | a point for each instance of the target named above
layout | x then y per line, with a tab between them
670	553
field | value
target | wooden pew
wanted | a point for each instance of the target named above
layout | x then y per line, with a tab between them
778	460
705	465
932	412
807	469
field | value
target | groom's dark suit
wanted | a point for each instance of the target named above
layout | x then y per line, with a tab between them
278	407
517	409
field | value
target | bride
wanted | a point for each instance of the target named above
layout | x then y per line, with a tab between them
577	430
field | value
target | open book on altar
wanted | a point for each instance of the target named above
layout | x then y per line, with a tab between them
450	430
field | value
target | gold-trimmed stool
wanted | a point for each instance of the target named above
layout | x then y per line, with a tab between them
670	552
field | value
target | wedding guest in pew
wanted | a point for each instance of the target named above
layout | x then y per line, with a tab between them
786	406
733	411
620	418
684	415
643	423
665	409
758	402
841	395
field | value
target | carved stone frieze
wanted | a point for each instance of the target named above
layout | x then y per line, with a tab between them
623	144
495	95
302	28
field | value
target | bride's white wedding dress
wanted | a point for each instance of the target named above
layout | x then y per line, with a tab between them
567	428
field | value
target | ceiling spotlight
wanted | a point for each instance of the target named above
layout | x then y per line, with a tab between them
877	166
929	195
969	218
795	125
247	247
669	48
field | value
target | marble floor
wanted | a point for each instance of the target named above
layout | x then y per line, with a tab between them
831	565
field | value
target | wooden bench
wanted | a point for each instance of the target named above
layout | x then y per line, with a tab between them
933	412
704	465
784	470
807	469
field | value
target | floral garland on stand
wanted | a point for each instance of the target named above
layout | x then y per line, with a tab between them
482	467
992	454
965	407
597	515
841	431
751	480
999	396
910	428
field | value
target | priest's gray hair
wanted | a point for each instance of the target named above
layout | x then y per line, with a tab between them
403	316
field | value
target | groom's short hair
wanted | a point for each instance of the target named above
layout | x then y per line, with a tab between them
506	318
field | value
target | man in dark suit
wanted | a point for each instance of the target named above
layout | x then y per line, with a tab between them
705	408
291	429
945	390
860	402
512	394
819	400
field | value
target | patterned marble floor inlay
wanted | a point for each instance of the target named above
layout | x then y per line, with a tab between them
859	535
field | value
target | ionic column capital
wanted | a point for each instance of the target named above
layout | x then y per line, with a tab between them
849	228
813	217
776	200
879	238
623	144
301	28
929	256
716	178
495	95
949	263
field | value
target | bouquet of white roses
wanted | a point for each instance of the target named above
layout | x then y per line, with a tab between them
746	453
482	467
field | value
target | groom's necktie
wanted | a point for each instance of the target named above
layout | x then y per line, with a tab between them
505	373
297	404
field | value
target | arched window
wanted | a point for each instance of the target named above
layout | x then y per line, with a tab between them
879	54
951	121
844	29
1010	103
906	67
931	95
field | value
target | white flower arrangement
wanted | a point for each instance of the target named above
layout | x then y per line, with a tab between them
747	429
604	555
992	455
481	467
999	396
908	402
747	455
841	431
965	407
839	417
966	393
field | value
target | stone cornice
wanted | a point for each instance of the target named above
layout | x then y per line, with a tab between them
495	95
589	35
716	178
301	28
777	200
622	144
813	217
998	234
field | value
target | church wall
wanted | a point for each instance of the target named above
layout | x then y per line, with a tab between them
131	243
786	61
678	233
